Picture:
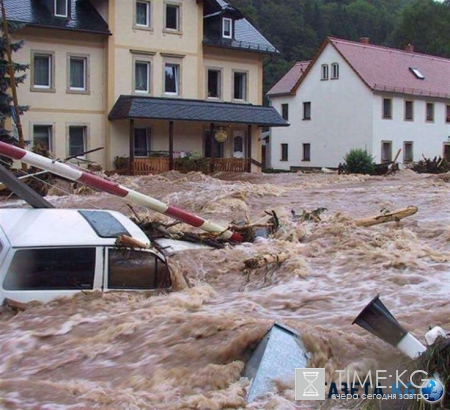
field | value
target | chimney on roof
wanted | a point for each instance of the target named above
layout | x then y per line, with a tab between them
364	40
409	48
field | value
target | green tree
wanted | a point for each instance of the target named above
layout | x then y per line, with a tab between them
6	99
426	25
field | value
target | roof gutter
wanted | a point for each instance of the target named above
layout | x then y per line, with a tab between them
108	33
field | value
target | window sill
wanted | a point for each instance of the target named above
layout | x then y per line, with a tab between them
324	79
306	160
170	31
284	160
169	95
42	90
386	118
335	78
141	93
306	119
237	101
409	120
214	99
143	28
82	92
430	121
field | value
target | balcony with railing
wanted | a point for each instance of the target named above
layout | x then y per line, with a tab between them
159	162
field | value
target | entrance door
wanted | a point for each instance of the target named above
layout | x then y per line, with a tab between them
217	146
447	152
238	144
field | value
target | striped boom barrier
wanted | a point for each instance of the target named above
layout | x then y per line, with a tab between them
74	174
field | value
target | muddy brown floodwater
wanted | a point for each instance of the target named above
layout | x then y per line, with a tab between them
187	349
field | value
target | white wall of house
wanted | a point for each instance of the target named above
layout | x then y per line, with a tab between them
341	117
428	137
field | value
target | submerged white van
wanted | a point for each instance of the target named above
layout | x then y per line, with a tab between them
49	253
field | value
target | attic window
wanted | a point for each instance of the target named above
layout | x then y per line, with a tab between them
417	73
61	8
227	28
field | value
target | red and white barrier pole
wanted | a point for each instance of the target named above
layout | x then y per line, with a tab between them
74	174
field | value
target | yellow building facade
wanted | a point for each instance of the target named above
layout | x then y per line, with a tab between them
150	81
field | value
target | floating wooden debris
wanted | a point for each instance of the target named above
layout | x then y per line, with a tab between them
129	242
387	216
313	215
263	260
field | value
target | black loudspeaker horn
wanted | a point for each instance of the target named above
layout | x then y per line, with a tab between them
377	319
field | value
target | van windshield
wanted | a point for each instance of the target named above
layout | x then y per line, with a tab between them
51	269
129	269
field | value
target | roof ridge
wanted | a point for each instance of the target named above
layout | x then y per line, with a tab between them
391	49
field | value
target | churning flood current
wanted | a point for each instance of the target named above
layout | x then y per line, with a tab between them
187	349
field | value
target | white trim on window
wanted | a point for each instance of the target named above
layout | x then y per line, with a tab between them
84	60
148	14
334	71
66	2
148	66
325	72
177	78
49	58
177	7
229	29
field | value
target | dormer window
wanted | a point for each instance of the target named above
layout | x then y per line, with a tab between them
417	73
227	28
61	8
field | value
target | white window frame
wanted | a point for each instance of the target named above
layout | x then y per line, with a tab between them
325	72
335	71
50	71
148	64
177	79
178	7
223	27
85	73
67	8
149	22
147	137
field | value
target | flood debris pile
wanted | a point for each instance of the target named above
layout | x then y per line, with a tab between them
436	361
437	165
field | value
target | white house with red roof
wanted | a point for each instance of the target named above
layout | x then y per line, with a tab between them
359	95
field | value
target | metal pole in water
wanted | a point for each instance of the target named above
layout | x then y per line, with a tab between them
94	181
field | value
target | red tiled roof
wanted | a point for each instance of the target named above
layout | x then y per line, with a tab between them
383	69
388	69
287	84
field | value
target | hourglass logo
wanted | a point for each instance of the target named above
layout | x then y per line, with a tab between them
309	384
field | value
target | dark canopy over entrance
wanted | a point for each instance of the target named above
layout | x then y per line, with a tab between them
175	109
180	110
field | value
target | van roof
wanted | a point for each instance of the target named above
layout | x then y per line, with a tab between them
65	227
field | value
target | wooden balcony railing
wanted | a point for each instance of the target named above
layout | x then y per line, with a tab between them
145	166
158	165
